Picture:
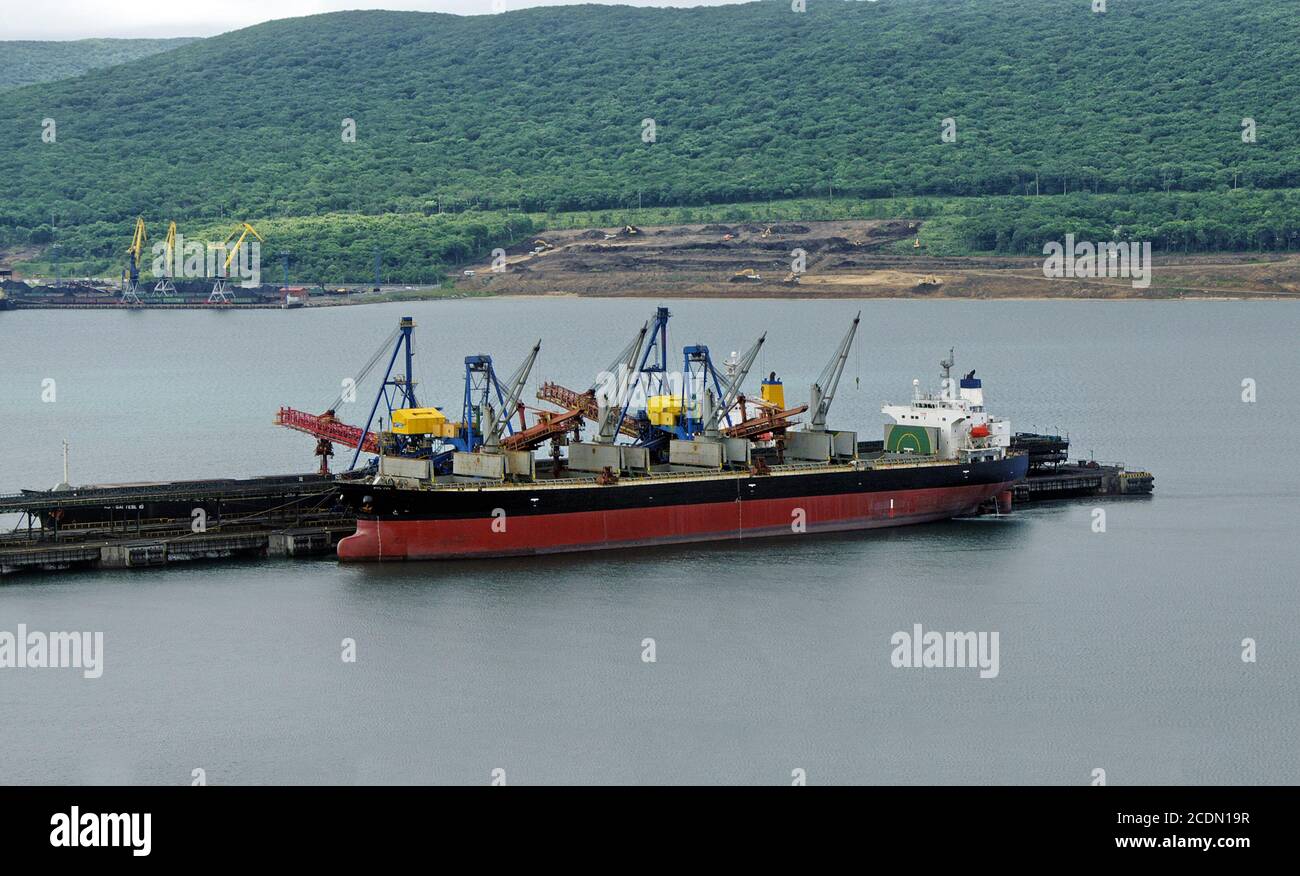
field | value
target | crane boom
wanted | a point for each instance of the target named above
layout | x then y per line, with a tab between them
494	422
584	401
610	409
165	284
170	243
732	390
822	392
326	426
243	231
136	249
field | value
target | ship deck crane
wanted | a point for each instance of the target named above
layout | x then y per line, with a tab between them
165	285
656	375
480	384
550	424
822	392
608	417
494	421
589	405
610	413
768	422
135	252
699	401
585	402
714	417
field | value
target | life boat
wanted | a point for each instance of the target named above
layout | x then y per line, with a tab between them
980	431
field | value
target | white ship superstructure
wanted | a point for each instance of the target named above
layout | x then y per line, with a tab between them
949	424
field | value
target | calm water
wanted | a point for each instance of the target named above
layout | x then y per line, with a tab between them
1119	650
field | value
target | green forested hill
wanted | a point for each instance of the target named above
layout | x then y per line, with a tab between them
542	109
24	62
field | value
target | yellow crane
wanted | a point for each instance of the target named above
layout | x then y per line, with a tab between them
221	289
165	284
135	252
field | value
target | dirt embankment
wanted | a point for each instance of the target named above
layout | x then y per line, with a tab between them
836	259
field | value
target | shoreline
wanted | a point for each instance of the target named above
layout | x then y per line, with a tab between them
664	296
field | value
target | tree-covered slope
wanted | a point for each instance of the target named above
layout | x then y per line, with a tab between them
25	62
542	109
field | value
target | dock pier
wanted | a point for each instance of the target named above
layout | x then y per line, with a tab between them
1052	476
135	526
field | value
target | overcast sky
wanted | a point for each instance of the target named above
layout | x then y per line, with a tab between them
77	19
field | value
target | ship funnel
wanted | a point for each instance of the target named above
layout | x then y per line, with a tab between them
972	390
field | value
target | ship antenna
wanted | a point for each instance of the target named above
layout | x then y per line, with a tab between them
946	365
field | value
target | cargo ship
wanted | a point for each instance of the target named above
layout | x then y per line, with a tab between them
704	464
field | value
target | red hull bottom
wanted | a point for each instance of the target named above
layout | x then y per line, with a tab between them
524	535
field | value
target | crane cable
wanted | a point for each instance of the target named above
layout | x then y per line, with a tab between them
374	360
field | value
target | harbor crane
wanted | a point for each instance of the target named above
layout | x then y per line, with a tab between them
426	433
165	285
494	421
221	288
135	252
654	365
822	392
397	391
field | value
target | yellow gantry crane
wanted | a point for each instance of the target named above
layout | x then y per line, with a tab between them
165	284
135	252
221	288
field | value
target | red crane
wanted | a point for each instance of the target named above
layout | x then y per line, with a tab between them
326	429
772	420
579	401
548	425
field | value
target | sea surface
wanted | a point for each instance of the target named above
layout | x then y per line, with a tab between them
1118	650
